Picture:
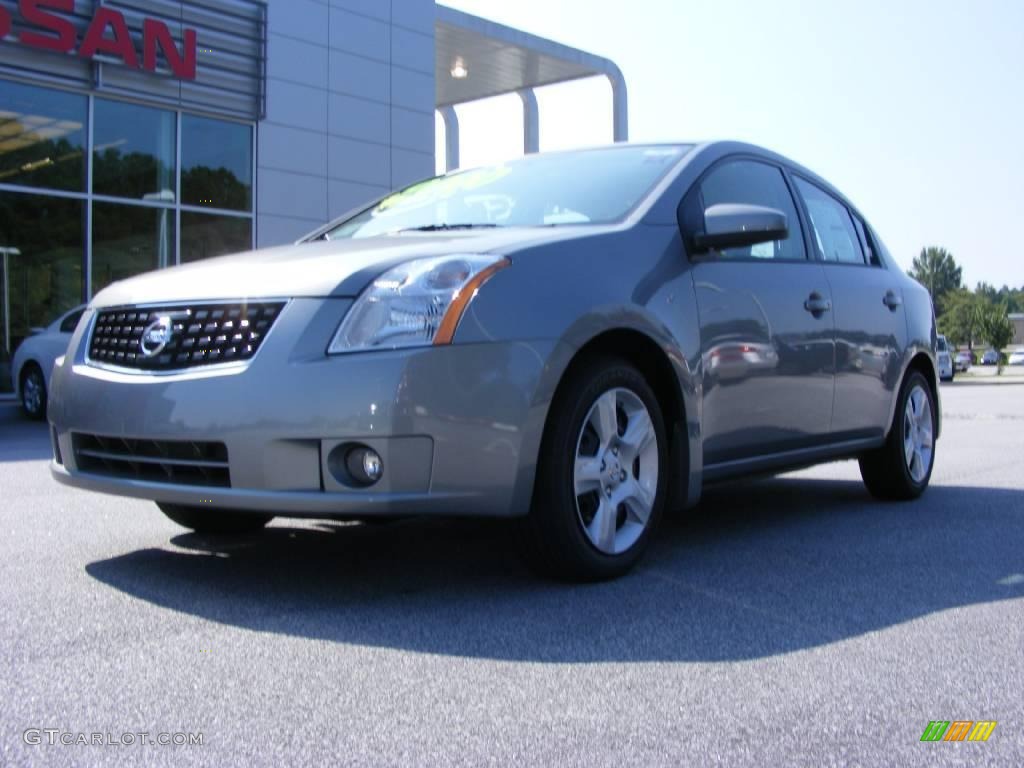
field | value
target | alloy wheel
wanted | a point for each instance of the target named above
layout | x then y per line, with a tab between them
918	435
32	392
615	477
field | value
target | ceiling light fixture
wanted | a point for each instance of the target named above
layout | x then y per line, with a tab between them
459	70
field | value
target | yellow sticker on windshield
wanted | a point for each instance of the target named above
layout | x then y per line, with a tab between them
442	188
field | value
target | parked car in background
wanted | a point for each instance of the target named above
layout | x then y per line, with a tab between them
991	357
963	361
629	324
34	358
944	359
1017	358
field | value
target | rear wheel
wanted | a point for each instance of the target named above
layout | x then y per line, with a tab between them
902	468
602	475
33	392
211	520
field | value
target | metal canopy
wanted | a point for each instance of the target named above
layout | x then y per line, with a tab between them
500	60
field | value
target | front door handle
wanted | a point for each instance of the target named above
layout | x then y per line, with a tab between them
892	300
817	304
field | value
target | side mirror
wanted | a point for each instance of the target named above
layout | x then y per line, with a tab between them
730	225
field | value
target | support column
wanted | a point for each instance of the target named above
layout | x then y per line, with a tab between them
451	138
620	106
531	121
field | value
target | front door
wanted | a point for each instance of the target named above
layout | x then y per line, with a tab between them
766	328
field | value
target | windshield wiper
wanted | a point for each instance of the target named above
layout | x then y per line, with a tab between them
448	227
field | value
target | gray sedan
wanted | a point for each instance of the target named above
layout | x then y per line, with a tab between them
580	340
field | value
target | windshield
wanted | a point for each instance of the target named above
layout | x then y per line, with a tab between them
596	186
941	344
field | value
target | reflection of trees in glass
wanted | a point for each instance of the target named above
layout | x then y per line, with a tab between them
133	175
204	236
42	137
216	188
216	163
45	280
55	164
128	240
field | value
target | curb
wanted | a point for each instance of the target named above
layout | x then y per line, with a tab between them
1002	381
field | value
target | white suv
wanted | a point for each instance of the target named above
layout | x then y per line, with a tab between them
944	359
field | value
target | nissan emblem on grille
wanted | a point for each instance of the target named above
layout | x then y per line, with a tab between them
180	336
159	333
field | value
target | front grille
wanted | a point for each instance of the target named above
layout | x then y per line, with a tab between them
179	462
201	334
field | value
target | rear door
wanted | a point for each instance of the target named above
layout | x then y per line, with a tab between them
765	325
870	327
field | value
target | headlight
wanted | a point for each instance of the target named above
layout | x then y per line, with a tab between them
414	305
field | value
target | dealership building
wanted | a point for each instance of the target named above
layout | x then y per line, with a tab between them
140	134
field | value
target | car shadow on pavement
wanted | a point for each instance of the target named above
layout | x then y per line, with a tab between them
758	569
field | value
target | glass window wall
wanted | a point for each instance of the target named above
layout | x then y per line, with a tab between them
156	199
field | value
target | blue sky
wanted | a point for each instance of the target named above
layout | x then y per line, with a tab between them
914	109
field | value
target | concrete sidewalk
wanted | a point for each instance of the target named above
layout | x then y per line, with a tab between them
988	375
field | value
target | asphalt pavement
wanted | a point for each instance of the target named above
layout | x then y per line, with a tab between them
791	621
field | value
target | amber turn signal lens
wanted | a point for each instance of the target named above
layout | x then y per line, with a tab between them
446	331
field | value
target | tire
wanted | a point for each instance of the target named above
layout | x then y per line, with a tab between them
563	535
32	386
215	521
886	471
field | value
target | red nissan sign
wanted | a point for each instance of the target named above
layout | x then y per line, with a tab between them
106	34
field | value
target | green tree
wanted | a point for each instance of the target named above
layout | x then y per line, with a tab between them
937	270
961	317
1012	298
988	291
997	329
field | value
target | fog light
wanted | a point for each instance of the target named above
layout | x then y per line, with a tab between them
364	465
372	467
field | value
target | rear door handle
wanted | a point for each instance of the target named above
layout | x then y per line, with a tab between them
817	304
892	300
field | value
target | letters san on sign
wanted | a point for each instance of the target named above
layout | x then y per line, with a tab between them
107	34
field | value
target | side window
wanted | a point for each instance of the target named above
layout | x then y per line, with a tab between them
865	243
869	240
71	322
833	228
882	255
752	183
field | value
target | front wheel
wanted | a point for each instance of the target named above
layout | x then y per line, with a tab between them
33	392
601	477
215	521
902	468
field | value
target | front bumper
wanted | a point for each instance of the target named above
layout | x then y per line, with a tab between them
458	426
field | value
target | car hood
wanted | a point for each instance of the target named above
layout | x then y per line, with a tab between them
341	268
